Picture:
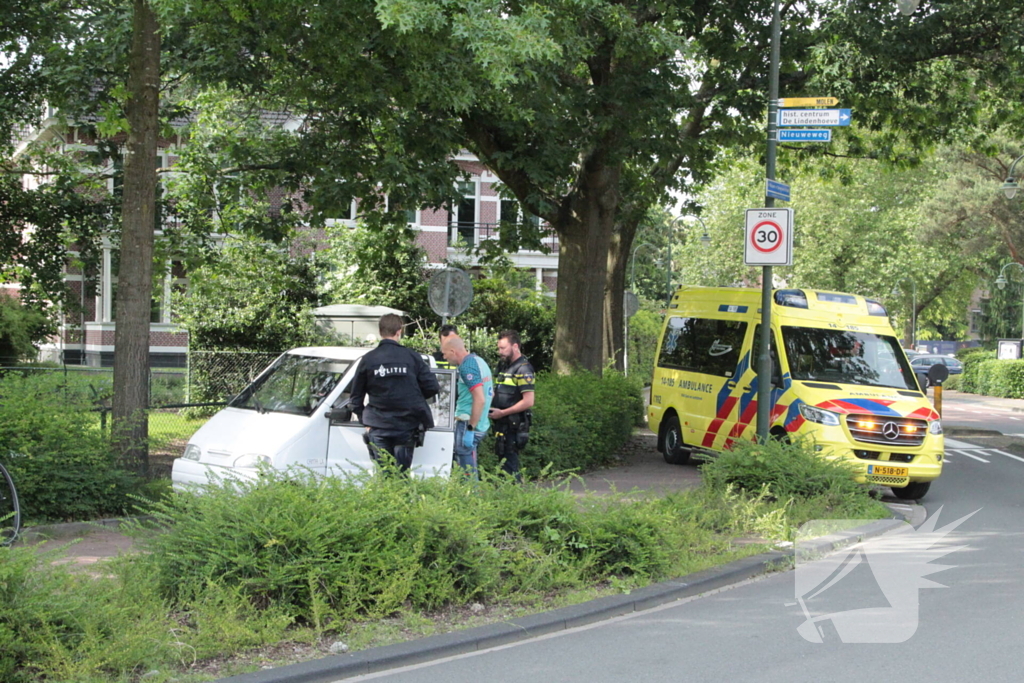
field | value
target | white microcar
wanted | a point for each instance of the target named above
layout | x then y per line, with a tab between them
283	419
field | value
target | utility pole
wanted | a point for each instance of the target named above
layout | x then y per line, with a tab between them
764	359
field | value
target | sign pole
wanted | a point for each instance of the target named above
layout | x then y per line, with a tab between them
764	359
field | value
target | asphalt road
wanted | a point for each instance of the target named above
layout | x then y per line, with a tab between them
972	630
981	412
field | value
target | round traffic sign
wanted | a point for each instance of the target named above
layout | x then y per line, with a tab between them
767	236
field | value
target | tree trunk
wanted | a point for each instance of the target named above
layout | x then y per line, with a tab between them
584	246
135	274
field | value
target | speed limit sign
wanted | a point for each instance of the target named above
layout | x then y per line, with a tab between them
769	237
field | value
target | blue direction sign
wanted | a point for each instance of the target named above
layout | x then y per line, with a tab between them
814	117
773	188
805	135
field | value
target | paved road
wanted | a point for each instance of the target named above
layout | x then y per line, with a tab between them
982	412
971	631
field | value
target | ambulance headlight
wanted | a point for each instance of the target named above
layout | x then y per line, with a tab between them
822	417
935	427
251	460
192	452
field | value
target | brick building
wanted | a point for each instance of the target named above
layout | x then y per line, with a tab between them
87	337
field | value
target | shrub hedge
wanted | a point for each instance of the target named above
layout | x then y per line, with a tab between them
972	362
1001	378
786	469
51	442
579	421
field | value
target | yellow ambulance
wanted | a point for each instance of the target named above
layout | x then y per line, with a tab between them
839	378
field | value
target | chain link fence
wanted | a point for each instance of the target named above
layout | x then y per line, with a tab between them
216	376
180	400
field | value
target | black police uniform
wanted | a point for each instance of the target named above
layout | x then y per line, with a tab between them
397	382
512	431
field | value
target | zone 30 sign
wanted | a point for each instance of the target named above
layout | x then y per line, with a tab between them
769	237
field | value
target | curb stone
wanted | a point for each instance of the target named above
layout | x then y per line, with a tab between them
970	431
334	667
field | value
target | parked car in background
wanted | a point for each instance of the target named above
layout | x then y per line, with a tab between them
922	363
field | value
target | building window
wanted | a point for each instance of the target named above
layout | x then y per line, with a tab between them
463	214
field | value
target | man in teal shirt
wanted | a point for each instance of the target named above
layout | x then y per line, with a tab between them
475	390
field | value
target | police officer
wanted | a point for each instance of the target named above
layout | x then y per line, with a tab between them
398	383
442	362
513	399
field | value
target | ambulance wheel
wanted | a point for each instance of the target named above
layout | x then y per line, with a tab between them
914	491
675	450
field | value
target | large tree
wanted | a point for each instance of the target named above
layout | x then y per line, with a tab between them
590	113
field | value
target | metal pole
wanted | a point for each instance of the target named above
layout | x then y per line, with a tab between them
913	316
447	294
764	360
668	265
625	318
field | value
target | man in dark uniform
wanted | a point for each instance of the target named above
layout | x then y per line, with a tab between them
398	383
442	362
513	399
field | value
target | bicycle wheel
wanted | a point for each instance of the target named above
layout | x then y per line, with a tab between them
10	511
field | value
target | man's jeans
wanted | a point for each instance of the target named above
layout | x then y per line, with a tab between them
398	444
466	458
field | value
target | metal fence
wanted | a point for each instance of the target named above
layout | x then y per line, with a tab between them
180	400
216	376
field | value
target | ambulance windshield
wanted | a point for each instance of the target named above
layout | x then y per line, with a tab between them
293	384
846	357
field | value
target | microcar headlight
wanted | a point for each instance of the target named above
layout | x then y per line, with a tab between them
822	417
251	460
935	427
192	452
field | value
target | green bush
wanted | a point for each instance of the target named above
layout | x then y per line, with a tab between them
498	307
51	442
20	328
967	351
972	362
324	546
786	469
952	383
1000	378
644	330
579	421
59	626
482	341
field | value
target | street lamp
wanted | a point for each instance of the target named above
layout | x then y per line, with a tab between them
625	318
1010	187
1001	284
907	7
913	311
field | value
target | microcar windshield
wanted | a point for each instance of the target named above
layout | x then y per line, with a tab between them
293	384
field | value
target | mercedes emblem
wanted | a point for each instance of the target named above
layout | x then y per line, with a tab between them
891	430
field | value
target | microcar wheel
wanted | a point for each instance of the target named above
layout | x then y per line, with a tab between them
914	491
676	452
